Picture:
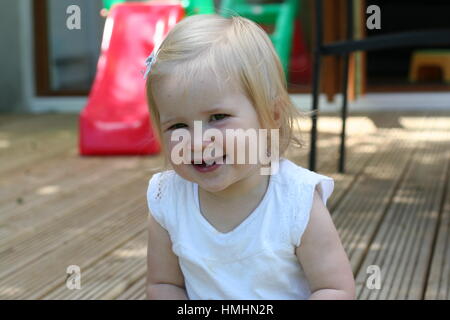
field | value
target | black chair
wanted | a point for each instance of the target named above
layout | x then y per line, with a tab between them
344	48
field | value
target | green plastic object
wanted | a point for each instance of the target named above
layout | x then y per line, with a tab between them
191	6
107	4
281	15
198	7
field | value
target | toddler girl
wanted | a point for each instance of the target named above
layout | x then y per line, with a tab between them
220	227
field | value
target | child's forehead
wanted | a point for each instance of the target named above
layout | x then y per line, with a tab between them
197	85
205	90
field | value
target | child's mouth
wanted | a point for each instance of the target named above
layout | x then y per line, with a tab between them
208	166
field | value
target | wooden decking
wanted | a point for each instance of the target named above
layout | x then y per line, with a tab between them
391	208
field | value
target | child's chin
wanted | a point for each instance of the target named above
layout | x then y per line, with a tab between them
214	184
211	184
211	187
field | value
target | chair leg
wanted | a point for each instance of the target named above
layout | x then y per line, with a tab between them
315	110
316	84
344	113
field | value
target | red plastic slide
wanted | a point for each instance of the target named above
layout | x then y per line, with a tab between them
300	67
116	119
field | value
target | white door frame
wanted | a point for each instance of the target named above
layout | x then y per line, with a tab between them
32	102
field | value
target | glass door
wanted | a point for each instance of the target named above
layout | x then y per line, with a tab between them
67	45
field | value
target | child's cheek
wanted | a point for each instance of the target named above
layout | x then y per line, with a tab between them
175	149
232	142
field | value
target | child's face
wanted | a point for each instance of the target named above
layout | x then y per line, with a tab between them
203	101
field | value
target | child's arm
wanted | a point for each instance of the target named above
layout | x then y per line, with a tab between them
323	257
165	280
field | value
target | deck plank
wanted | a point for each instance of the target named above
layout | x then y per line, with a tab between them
358	215
7	119
34	149
27	247
39	209
38	178
438	284
108	278
402	246
43	275
14	125
24	137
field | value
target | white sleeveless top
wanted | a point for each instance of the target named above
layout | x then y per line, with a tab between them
256	260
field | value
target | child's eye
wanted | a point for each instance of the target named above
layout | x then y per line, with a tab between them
219	116
177	126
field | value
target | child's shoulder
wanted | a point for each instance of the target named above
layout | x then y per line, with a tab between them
162	184
166	175
293	173
297	179
164	188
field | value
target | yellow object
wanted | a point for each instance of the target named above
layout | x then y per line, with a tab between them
430	58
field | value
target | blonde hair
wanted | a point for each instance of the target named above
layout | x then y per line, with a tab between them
235	49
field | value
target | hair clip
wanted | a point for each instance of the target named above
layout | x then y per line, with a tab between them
149	63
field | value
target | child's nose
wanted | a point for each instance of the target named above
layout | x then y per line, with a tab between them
201	143
210	140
